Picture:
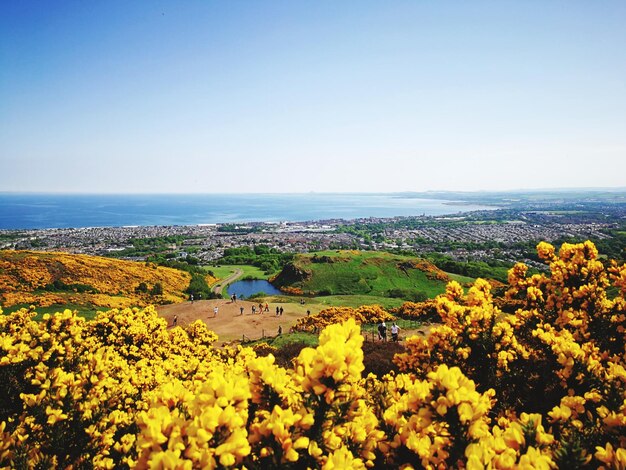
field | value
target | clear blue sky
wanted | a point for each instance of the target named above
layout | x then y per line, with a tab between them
261	96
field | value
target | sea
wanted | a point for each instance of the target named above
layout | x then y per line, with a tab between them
20	211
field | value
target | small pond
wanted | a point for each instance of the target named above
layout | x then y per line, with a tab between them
246	288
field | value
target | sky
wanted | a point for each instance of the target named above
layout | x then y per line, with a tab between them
299	96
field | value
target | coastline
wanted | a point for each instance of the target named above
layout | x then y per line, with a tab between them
51	211
21	212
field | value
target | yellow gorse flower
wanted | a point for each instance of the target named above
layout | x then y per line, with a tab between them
535	379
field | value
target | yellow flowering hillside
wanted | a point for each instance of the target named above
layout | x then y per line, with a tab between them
38	278
542	388
332	315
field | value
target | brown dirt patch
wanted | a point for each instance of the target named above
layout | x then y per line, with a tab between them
229	324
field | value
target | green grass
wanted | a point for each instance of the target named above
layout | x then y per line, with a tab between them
279	341
224	271
357	301
461	279
249	272
315	304
364	273
87	312
309	339
353	280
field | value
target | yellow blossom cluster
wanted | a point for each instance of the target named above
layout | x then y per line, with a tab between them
435	417
332	315
540	388
523	443
424	311
26	277
559	358
432	271
73	388
124	391
289	290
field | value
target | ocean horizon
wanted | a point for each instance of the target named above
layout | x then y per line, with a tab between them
27	211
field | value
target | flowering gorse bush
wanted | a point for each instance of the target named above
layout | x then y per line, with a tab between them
424	311
559	358
333	315
541	388
44	279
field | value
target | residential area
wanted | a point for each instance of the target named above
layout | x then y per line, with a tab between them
473	236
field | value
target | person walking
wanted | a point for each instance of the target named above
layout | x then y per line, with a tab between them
240	310
277	311
395	329
281	311
215	311
382	331
175	319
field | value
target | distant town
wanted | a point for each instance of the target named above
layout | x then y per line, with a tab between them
504	235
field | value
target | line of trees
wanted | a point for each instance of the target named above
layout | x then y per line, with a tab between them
264	257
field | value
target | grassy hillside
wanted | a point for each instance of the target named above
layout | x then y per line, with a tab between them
44	279
369	273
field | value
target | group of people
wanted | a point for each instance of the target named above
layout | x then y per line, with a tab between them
382	332
382	327
262	309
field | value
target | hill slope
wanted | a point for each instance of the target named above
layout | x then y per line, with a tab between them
368	273
39	278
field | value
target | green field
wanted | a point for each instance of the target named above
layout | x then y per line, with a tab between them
87	312
373	274
461	279
249	272
352	279
357	301
279	341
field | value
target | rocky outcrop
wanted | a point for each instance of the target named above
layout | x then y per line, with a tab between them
290	275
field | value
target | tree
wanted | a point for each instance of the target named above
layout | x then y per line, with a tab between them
157	289
142	288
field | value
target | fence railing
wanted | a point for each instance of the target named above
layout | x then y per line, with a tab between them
264	335
369	331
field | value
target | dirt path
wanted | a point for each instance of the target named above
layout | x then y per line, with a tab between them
229	323
217	288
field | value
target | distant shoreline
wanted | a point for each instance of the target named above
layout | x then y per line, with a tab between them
66	211
30	212
254	223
